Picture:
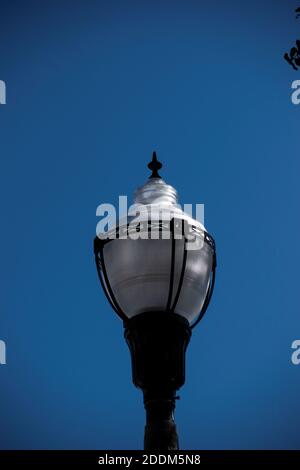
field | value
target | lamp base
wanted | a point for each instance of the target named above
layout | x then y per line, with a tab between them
157	342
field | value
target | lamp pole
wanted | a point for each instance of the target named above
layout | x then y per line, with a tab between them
161	290
157	343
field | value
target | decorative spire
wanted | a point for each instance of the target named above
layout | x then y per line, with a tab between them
154	166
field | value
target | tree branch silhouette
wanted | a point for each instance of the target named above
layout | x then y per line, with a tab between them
293	57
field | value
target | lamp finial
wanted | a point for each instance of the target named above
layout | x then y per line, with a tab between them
154	166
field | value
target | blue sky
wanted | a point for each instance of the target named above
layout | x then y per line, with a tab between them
93	88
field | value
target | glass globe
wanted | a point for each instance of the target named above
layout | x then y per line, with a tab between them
172	273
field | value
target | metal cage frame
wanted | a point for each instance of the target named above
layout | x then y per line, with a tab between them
176	226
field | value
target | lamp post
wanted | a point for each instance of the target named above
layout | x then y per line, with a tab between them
158	274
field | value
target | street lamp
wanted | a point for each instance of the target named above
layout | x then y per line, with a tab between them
158	272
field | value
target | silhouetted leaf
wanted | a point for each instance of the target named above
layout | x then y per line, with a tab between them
293	51
297	61
290	61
